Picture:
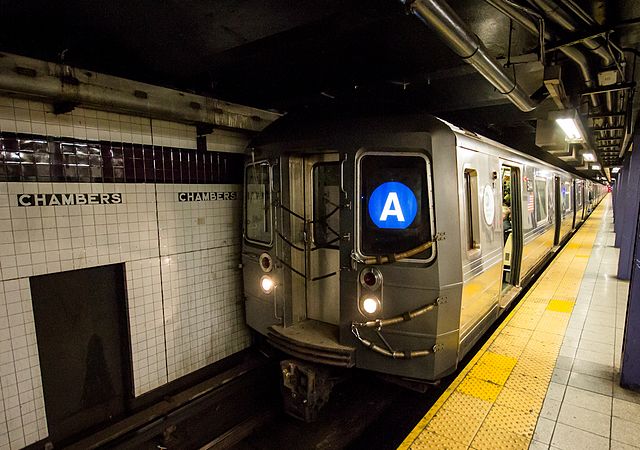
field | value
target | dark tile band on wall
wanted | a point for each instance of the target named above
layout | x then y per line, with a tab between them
26	157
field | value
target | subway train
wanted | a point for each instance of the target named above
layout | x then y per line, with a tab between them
391	243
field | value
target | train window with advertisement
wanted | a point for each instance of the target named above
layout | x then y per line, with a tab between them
471	207
578	194
542	212
394	203
566	197
257	213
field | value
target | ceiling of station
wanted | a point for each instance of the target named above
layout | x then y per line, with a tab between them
284	56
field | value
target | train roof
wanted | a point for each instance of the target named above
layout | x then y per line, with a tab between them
337	125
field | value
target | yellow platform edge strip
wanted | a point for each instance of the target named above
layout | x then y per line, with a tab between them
556	305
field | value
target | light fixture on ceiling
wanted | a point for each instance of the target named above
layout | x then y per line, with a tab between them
570	129
595	166
588	156
569	121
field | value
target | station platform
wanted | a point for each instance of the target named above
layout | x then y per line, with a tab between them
548	377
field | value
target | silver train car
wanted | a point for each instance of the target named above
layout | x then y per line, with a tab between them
392	243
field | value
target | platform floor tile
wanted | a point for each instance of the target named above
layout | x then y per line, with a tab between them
512	393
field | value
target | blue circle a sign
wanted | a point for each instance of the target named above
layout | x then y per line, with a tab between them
393	205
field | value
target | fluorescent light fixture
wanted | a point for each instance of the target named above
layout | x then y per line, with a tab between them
595	166
589	157
570	128
615	170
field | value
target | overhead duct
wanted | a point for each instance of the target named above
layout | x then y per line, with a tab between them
506	7
559	16
439	16
595	45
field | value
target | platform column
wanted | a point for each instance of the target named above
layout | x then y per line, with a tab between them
630	365
628	212
618	204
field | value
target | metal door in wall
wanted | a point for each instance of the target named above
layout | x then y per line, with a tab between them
83	344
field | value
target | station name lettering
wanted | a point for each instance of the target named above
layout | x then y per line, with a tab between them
69	199
206	196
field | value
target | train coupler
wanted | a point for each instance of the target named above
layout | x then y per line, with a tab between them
306	388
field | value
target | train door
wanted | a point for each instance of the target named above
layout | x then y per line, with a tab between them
575	203
558	208
322	236
512	230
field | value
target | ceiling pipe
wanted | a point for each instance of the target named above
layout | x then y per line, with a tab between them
556	13
572	6
442	19
572	53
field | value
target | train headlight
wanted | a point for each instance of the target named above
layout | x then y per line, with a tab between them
370	305
266	262
267	284
371	278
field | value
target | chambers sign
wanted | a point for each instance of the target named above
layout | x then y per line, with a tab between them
101	198
206	196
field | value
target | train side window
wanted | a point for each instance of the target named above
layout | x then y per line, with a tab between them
471	207
567	207
257	213
578	195
542	212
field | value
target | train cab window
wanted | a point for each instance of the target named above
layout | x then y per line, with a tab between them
257	214
394	203
326	204
471	207
542	212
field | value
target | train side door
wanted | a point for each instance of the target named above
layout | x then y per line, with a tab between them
574	192
322	210
558	208
511	227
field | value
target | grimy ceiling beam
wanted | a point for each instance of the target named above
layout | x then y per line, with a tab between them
59	83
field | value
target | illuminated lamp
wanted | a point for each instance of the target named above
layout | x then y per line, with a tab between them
570	123
370	305
267	284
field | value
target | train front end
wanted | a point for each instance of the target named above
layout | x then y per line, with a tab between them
351	246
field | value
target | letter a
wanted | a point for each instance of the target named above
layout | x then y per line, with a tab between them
392	208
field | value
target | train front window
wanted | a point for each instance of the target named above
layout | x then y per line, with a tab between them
394	204
326	204
257	214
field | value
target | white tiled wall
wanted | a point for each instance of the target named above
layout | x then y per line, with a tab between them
200	332
227	141
146	319
189	226
181	261
22	418
200	247
27	116
46	239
